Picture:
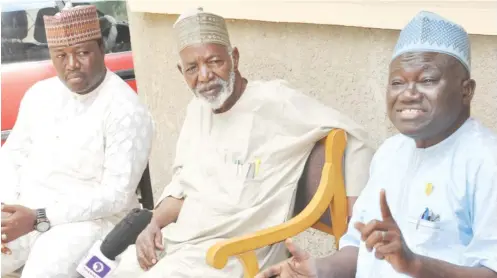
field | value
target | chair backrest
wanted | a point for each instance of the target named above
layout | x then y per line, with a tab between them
144	190
324	168
39	30
14	25
309	182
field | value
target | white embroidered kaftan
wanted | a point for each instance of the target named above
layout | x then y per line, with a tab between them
80	157
462	174
238	172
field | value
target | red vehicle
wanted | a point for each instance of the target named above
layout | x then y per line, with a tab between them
25	57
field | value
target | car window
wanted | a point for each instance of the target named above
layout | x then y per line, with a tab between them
23	31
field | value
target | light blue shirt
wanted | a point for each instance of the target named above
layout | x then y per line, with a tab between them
463	172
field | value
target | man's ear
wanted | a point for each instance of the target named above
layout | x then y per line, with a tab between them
179	68
236	57
468	91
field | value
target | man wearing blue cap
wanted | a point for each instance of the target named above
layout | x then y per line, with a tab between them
436	182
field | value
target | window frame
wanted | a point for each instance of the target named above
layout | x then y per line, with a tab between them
29	49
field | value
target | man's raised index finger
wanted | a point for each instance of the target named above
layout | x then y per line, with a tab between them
385	210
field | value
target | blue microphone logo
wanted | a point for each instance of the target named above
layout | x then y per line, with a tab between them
98	267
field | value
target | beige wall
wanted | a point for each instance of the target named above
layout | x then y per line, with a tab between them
344	67
478	17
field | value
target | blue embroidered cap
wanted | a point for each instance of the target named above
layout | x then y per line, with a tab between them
429	32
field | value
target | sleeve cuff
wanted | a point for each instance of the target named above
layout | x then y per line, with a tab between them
344	244
172	190
488	260
490	264
349	240
55	216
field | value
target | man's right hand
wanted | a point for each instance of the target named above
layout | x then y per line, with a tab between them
300	265
147	243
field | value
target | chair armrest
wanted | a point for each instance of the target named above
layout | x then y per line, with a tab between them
218	254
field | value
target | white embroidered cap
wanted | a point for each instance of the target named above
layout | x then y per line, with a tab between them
197	26
429	32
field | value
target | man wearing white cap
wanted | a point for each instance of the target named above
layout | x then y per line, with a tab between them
240	154
439	175
72	163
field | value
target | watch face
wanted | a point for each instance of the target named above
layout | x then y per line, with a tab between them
42	226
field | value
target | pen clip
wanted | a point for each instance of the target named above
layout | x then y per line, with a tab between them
422	216
250	171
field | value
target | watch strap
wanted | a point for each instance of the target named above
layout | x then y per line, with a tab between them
41	215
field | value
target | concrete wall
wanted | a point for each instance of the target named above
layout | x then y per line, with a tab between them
345	67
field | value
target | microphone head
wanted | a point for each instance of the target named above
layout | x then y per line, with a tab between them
95	264
125	233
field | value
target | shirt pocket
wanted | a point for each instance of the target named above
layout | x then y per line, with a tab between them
250	191
221	181
244	187
422	234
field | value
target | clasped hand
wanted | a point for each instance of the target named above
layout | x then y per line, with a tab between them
147	243
17	221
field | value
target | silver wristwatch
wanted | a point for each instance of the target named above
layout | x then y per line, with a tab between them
42	224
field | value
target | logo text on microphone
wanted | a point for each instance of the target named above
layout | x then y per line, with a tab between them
98	267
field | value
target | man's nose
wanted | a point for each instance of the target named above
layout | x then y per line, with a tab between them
205	74
73	63
411	93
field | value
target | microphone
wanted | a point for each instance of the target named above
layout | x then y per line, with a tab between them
100	261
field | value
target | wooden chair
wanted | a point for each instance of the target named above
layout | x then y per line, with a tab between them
321	190
144	191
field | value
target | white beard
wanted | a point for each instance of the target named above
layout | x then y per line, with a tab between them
217	101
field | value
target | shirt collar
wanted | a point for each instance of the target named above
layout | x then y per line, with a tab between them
447	142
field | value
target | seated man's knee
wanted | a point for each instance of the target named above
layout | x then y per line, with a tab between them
128	265
57	252
11	266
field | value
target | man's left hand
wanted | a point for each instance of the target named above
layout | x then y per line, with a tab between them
20	222
386	238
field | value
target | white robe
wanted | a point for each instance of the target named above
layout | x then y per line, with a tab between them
272	126
463	172
80	157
